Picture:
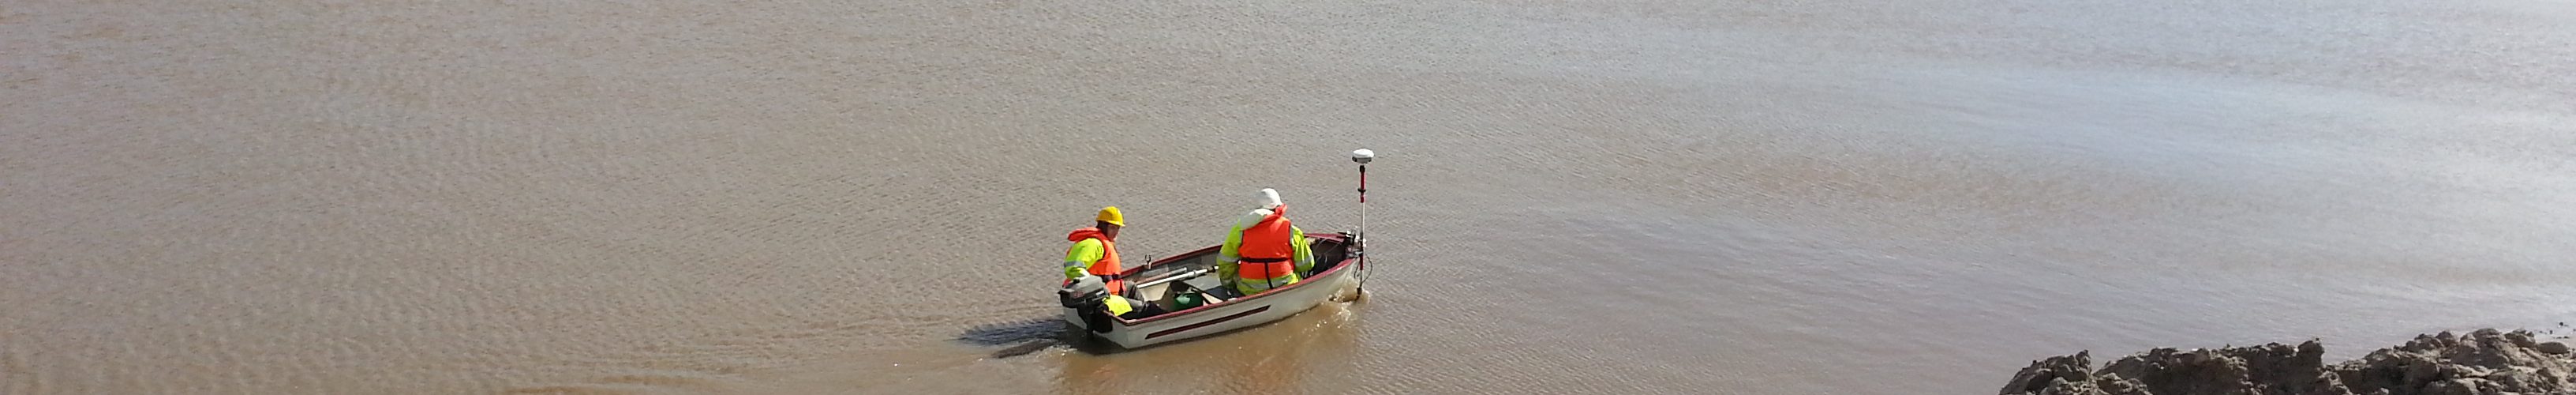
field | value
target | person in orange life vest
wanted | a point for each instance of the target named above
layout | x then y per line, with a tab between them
1095	251
1263	250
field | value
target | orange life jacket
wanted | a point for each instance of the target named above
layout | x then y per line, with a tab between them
1269	248
1107	268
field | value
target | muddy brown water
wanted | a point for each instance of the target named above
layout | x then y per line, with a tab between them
1599	197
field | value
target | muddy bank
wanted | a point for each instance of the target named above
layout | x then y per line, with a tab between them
2485	362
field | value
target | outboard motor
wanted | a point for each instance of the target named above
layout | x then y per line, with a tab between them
1088	297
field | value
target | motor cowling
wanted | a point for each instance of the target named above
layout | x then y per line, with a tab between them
1089	299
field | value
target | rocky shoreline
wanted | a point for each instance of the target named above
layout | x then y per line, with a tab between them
2484	362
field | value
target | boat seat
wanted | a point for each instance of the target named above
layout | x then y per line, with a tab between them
1220	294
1153	294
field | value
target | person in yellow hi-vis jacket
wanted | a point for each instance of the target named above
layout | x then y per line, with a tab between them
1262	251
1095	251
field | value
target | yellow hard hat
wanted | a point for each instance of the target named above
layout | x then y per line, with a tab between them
1110	215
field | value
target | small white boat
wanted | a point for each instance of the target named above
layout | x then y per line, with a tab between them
1339	269
1340	266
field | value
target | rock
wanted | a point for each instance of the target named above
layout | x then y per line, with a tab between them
2453	387
2063	387
2043	374
2514	377
2483	362
2113	384
2553	348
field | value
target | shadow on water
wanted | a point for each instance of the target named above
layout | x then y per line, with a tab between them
1024	336
1015	331
1032	335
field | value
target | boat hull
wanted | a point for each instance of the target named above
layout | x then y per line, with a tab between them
1343	277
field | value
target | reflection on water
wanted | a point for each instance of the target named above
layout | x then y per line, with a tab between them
1283	357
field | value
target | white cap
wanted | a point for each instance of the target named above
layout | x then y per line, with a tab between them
1269	198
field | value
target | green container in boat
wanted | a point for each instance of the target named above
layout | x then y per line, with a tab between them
1189	300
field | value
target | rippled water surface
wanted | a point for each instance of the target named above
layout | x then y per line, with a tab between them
1591	197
